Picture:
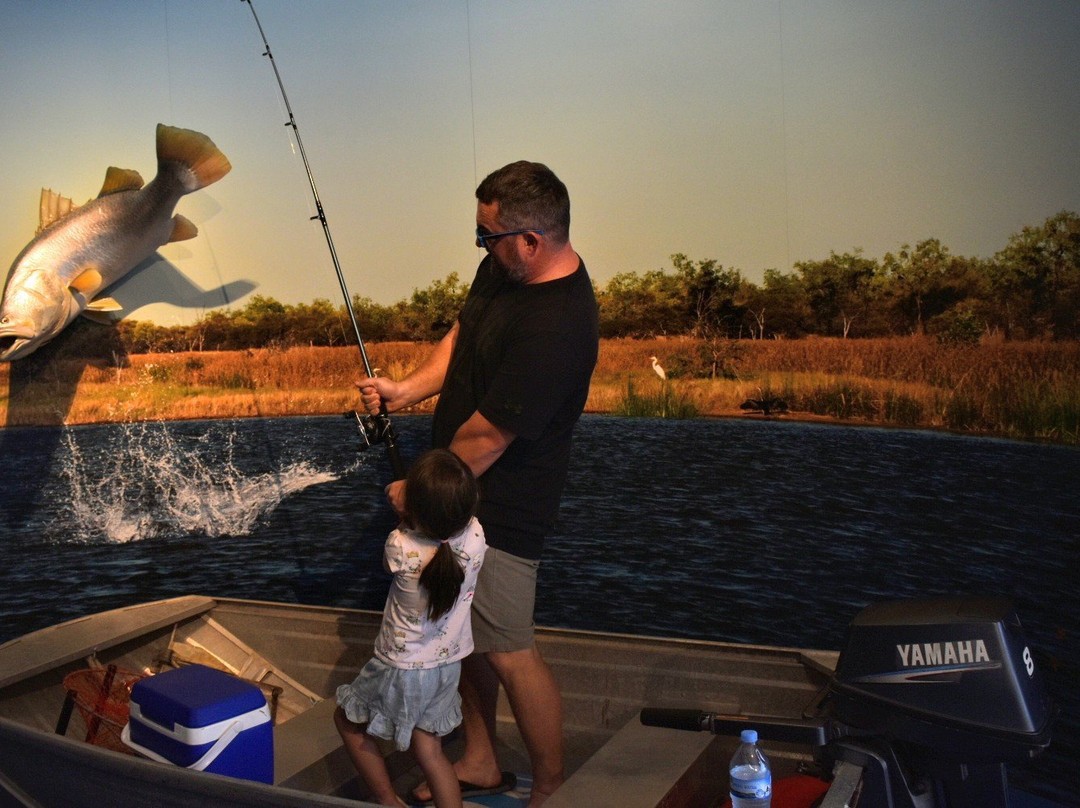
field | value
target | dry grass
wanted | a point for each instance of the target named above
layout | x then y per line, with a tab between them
223	384
1026	390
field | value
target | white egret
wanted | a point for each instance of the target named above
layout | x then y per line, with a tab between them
659	370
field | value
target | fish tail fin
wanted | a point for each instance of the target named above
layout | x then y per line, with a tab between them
205	161
183	229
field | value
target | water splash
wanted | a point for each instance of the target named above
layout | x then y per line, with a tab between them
149	483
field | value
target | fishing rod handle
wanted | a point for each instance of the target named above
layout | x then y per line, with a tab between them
791	730
392	451
689	719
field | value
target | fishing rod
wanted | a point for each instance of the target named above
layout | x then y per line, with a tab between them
373	429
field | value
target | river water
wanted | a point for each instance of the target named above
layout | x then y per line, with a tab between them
754	531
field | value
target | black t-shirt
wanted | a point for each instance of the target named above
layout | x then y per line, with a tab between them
523	357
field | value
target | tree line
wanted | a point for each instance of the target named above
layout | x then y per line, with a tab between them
1028	290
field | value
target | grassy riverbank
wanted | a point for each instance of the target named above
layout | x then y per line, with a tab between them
1023	390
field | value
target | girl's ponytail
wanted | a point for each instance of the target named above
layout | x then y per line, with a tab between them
442	578
441	496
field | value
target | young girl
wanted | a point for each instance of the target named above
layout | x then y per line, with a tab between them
408	692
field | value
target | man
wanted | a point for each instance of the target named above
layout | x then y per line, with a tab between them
513	377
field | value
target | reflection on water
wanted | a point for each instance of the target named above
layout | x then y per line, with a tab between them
749	531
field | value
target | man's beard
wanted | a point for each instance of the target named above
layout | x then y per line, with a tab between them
516	271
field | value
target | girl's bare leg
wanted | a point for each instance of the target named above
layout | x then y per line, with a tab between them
437	768
368	759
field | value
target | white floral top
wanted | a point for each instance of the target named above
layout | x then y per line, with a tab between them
408	639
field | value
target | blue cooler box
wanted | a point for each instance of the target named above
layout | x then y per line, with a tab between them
203	719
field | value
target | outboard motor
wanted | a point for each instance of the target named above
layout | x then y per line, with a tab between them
948	687
930	699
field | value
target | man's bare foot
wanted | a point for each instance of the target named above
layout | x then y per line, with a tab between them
486	780
538	798
392	800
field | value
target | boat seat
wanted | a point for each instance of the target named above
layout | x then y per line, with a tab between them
308	751
310	756
642	767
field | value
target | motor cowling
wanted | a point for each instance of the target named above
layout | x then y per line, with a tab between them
932	698
954	674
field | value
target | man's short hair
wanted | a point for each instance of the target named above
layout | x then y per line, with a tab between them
530	197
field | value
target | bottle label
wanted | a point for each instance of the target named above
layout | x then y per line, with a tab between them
757	788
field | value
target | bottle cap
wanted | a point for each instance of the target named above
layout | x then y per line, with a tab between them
749	736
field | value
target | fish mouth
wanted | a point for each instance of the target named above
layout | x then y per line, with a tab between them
9	347
12	342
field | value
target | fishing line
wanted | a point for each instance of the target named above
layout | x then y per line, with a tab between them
472	92
784	135
168	59
372	428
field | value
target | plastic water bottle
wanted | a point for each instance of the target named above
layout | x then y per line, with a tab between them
751	778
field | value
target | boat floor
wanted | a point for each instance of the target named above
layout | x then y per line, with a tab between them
638	767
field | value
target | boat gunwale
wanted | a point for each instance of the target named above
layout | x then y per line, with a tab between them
56	645
560	632
176	777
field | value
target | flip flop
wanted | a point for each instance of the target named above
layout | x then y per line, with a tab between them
508	782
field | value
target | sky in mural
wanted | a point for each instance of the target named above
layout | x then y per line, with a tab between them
752	132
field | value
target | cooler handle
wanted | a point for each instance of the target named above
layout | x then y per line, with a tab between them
234	729
219	746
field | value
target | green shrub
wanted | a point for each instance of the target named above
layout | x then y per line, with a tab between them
902	409
667	403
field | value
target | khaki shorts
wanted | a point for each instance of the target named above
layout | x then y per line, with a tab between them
502	609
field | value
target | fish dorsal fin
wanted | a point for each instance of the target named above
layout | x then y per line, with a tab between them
183	229
52	208
120	179
87	283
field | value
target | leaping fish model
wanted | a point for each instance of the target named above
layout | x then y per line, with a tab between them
79	251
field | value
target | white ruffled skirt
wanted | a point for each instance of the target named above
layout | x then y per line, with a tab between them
395	701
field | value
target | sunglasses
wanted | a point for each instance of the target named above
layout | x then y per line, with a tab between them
484	239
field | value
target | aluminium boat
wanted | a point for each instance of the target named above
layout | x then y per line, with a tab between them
628	700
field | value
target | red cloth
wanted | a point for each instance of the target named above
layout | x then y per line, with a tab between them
798	791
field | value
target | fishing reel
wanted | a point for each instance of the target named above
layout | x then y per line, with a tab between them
376	429
373	429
